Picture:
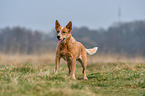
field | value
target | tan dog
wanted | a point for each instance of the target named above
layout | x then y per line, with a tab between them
70	50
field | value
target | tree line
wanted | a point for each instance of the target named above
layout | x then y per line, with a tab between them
126	37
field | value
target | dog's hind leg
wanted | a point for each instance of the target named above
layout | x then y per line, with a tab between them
83	63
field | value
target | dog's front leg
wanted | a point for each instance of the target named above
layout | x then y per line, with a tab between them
57	61
69	65
73	68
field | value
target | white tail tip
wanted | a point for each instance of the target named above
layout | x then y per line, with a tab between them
92	51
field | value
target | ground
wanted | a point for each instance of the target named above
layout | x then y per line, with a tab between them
104	79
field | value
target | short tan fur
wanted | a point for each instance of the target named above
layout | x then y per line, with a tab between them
70	50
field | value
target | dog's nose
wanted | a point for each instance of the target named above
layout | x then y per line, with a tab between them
58	37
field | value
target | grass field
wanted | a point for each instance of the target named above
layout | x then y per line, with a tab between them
34	76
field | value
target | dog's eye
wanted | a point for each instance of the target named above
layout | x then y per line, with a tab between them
63	32
57	31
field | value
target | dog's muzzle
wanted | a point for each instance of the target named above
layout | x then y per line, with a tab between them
58	37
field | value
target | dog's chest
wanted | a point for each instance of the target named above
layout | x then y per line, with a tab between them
66	54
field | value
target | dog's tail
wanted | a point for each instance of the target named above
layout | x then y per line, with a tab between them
92	50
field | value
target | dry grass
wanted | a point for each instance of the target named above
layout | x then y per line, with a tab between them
33	75
23	59
36	59
112	58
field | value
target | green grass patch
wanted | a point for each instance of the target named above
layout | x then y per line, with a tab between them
107	79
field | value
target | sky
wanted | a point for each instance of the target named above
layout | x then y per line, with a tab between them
41	14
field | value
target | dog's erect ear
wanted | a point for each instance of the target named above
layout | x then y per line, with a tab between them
69	26
57	24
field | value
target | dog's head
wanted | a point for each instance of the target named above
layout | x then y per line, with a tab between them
63	33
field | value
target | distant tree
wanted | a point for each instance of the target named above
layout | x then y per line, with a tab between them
128	37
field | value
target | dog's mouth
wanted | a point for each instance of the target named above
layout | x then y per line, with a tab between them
60	40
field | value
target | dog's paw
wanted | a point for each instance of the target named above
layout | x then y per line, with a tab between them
73	78
56	72
86	78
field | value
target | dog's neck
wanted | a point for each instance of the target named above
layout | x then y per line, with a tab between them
68	43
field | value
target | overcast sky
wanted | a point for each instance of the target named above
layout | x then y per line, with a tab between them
41	14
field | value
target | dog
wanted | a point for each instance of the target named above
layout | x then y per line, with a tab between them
70	50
